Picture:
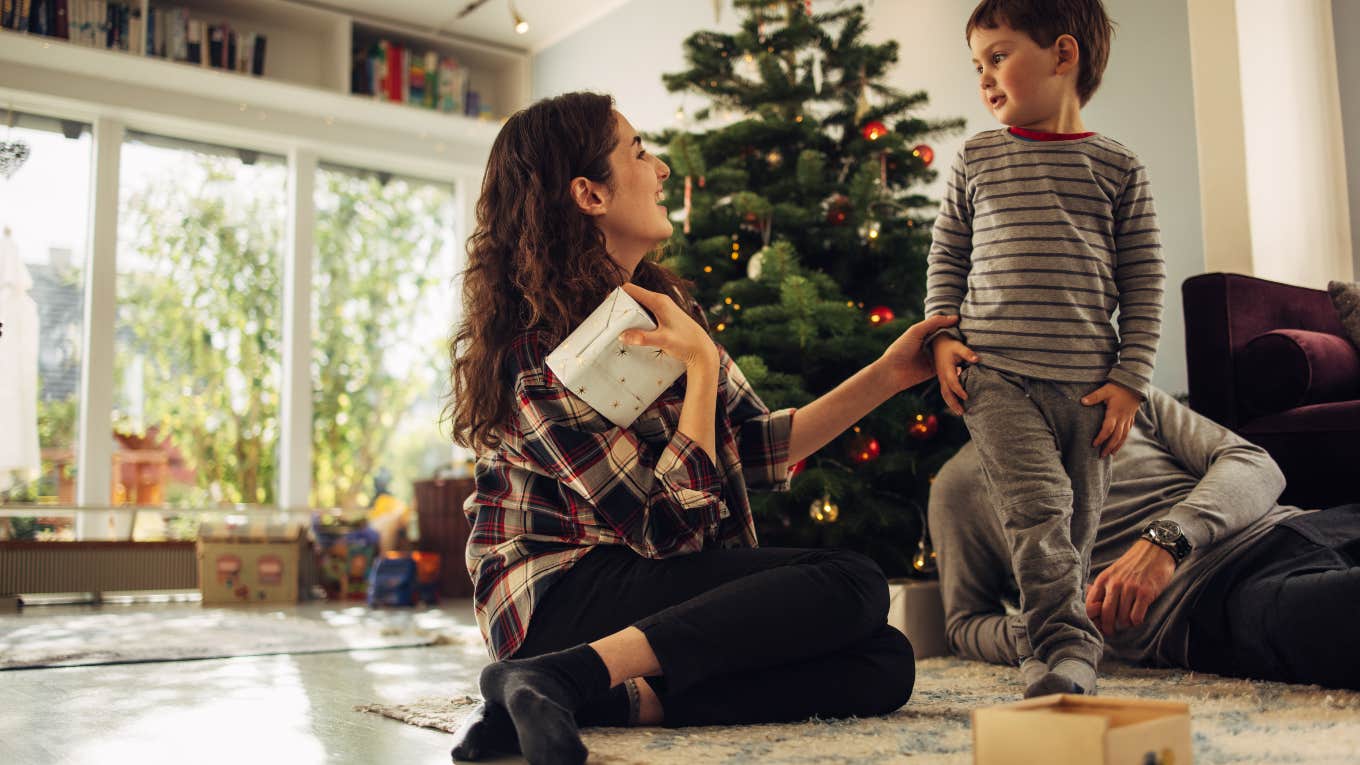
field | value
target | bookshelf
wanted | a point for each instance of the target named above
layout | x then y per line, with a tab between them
307	46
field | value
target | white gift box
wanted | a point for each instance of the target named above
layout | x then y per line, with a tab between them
618	381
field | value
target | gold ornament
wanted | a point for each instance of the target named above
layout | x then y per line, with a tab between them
924	560
823	510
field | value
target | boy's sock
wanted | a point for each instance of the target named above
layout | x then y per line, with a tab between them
542	695
1031	669
1067	676
1079	672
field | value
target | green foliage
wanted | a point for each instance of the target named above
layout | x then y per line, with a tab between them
789	179
203	316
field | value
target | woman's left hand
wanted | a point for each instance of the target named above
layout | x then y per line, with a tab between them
906	361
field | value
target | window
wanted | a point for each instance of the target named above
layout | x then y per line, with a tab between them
197	335
44	207
382	305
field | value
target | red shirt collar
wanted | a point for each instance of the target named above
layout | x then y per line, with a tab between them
1035	135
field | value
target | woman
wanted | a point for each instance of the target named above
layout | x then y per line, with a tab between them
617	579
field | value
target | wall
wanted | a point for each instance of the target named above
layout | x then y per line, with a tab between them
1146	101
1346	27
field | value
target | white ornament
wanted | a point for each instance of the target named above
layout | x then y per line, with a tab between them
755	265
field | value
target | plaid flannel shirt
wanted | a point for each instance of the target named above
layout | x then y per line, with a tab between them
565	479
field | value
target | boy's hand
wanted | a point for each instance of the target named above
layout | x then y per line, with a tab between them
1121	404
949	354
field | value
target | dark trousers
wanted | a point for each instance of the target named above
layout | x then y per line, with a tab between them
742	636
1289	608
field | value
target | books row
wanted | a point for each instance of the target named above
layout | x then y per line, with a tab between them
172	34
167	32
96	23
390	71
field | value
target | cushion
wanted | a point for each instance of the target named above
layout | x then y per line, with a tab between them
1287	368
1346	298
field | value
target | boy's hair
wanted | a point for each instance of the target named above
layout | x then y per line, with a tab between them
1045	21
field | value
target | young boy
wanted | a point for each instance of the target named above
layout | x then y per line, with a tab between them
1045	231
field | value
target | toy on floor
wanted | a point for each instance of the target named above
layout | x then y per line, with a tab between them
403	579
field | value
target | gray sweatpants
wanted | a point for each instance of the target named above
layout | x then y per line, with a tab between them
1048	485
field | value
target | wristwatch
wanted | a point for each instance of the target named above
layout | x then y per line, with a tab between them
1168	536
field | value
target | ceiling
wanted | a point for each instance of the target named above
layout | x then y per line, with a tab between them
549	20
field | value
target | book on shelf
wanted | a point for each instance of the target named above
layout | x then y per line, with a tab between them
389	71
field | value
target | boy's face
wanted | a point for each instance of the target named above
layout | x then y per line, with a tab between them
1020	82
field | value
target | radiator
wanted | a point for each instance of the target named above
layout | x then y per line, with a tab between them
46	567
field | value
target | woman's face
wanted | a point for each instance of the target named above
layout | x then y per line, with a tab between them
633	219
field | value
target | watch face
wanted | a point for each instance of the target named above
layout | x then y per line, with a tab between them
1164	531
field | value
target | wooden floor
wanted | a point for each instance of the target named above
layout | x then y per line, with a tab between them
244	711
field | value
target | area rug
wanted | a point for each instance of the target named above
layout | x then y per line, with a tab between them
1232	721
194	633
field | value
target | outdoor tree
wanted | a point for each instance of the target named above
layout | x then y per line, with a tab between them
802	226
200	319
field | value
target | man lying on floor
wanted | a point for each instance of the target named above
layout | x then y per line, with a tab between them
1195	564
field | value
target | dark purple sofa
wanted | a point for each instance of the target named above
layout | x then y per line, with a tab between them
1272	362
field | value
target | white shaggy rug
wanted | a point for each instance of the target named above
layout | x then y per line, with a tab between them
1232	721
108	636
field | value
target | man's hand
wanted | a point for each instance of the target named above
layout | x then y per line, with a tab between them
1120	597
1121	404
949	355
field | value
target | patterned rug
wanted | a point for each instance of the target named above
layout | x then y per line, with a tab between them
194	632
1232	721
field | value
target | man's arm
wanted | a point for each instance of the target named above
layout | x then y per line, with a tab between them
1238	481
973	564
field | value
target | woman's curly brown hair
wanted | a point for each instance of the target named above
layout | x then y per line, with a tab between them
535	261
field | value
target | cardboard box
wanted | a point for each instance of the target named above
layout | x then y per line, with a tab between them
915	608
251	563
1083	730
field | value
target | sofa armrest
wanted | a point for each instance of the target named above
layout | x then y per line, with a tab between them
1223	312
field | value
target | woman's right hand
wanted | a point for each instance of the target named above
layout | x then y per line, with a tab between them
677	334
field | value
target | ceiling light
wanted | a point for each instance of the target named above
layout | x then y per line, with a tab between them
521	26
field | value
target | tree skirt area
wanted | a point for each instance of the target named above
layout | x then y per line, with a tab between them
1232	721
176	634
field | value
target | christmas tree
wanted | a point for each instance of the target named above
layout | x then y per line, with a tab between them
807	246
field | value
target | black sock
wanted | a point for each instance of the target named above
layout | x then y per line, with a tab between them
487	731
542	695
613	709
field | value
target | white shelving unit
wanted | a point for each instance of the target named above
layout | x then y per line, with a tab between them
302	100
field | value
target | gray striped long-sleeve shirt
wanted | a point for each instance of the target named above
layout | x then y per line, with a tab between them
1036	246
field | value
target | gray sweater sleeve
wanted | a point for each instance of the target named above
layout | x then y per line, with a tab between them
1140	277
974	570
1238	481
951	248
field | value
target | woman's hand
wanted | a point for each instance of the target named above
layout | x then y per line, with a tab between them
906	361
676	333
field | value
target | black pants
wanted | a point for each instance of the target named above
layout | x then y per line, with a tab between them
1289	608
742	636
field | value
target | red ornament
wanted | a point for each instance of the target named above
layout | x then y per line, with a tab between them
925	427
797	467
873	130
923	153
881	315
837	209
864	448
